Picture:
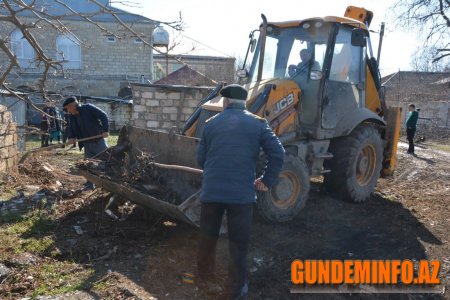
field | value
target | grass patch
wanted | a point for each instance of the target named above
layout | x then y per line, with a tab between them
35	223
60	277
37	245
10	217
101	286
26	233
7	193
441	147
111	140
33	141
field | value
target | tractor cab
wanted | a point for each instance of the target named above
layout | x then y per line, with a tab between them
324	57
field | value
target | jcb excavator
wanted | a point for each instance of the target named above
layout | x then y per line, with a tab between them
328	111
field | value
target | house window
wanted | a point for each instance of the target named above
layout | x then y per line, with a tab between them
111	39
22	49
138	41
69	51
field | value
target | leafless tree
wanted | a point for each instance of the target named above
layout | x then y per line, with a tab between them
422	61
10	14
432	19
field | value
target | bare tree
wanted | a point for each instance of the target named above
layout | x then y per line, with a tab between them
432	19
422	61
33	18
38	17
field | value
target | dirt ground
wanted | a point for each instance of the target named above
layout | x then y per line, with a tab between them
56	239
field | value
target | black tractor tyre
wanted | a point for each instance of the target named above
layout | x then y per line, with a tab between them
288	195
356	164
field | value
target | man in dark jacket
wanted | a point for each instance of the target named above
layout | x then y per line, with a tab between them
86	121
228	152
411	126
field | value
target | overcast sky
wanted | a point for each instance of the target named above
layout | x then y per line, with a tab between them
222	28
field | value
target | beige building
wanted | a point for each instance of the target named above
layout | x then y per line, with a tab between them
216	68
95	62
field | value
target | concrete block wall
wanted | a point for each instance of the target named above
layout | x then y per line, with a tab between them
433	114
8	140
162	107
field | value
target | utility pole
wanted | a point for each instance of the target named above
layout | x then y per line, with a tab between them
380	42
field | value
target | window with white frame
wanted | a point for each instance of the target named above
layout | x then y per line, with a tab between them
22	49
68	50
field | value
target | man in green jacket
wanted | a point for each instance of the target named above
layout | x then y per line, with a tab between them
411	123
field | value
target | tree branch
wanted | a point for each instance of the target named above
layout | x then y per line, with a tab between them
110	11
5	74
440	57
441	10
86	18
26	100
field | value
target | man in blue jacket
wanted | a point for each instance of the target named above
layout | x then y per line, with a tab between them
228	152
86	121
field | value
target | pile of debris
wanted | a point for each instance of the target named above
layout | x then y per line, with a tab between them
43	173
141	173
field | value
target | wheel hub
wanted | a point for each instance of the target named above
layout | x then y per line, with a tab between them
363	164
285	192
366	164
283	189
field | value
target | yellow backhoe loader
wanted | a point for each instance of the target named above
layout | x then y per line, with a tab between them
317	83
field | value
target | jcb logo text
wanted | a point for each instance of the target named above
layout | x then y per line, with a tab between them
283	103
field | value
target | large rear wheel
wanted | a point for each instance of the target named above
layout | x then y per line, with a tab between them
356	164
288	195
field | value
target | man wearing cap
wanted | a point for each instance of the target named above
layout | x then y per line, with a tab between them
86	121
228	152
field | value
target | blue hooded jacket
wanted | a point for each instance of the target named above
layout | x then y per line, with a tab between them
228	152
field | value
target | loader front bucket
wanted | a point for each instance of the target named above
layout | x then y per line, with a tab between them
165	148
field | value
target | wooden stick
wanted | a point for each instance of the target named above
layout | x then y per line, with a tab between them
48	148
179	168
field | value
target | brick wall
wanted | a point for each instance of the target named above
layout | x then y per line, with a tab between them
163	106
8	140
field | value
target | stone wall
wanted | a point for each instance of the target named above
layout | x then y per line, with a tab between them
430	92
416	87
119	114
163	106
8	140
431	114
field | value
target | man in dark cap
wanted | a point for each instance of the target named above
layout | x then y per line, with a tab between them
86	121
228	152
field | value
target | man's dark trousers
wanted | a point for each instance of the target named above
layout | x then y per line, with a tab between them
410	137
239	219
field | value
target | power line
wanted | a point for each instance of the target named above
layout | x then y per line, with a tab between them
203	44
